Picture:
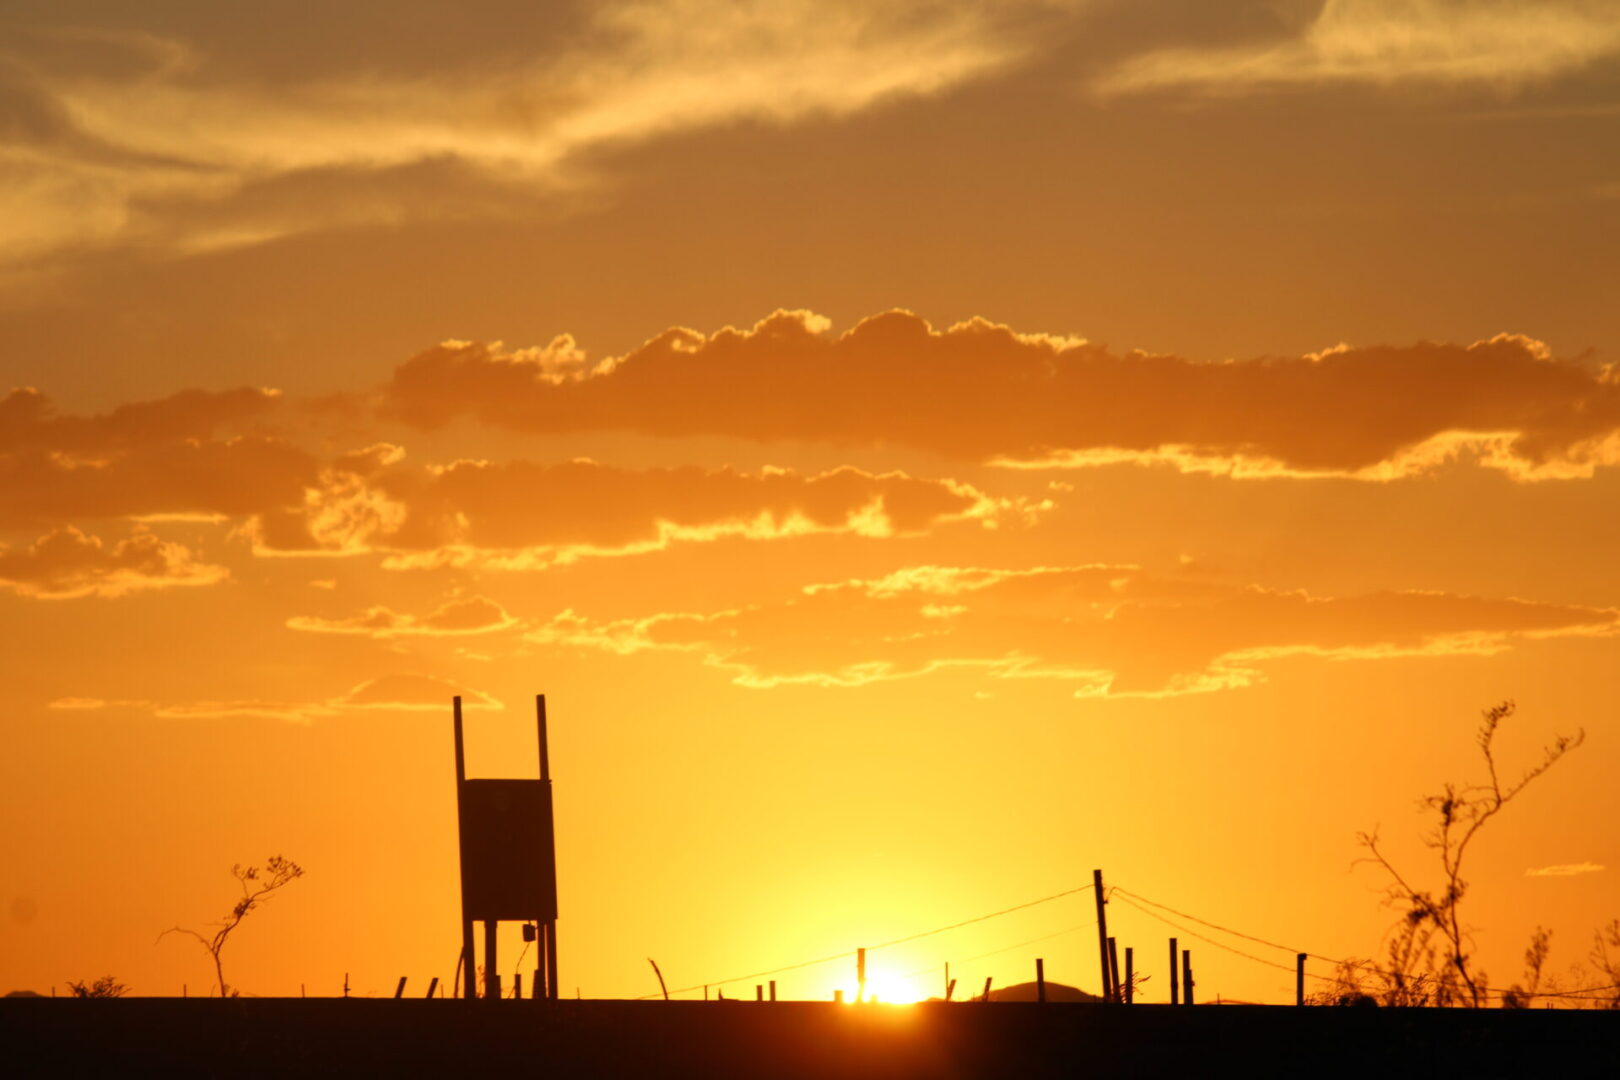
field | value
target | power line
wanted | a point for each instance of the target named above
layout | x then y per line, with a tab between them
980	918
1193	933
1485	991
874	948
1010	948
1216	926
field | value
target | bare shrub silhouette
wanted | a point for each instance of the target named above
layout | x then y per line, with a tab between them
1429	960
1605	960
1523	995
257	886
104	987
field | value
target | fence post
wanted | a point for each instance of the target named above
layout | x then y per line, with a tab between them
1175	981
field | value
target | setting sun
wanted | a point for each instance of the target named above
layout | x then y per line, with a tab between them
890	989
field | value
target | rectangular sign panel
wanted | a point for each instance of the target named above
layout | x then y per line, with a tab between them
508	868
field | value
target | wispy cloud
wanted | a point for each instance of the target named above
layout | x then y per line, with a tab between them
1497	43
457	617
387	693
1565	870
1107	630
187	155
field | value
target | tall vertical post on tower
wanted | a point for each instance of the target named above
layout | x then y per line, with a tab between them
548	928
469	990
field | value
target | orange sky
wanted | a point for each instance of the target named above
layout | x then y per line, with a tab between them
923	452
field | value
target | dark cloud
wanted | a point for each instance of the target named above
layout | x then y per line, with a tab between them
66	564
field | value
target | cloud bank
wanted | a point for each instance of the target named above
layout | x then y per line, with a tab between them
979	391
522	515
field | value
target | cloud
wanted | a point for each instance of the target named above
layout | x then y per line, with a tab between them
1498	43
388	693
1112	630
28	420
411	692
1565	870
67	564
523	515
983	392
214	457
179	148
455	617
195	453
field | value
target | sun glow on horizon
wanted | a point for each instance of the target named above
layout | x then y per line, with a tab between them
887	988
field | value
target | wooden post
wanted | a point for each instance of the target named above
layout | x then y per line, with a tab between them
1299	979
537	991
550	932
1040	980
1113	971
1186	977
1130	975
399	991
986	988
773	989
860	975
1175	981
432	986
468	987
492	970
1102	933
950	989
517	986
838	997
759	992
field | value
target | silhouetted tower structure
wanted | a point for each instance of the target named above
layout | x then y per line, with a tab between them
508	863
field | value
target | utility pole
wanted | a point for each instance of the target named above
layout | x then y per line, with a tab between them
1102	933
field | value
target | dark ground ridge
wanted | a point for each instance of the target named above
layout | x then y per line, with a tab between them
244	1037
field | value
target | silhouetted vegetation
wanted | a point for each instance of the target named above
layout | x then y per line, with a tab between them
257	886
1429	961
104	987
1605	960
